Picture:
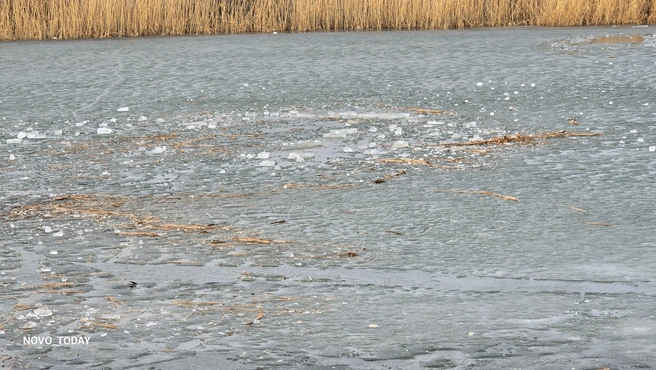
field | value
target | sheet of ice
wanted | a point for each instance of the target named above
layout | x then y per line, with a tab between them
400	144
267	163
302	145
340	133
123	109
104	131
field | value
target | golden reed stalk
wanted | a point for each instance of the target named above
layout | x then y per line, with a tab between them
67	19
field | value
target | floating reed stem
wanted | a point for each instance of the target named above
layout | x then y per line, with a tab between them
68	19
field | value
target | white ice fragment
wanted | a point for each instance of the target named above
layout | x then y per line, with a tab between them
640	140
268	163
104	130
334	135
59	132
506	98
633	131
151	323
80	124
263	155
47	229
393	127
158	149
340	133
143	118
299	157
21	135
28	325
479	84
36	135
610	102
113	120
532	84
303	145
43	312
53	252
250	156
652	148
222	171
58	233
491	113
398	132
400	144
46	269
123	109
12	157
515	92
373	129
347	150
160	120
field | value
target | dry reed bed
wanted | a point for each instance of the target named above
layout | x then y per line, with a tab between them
67	19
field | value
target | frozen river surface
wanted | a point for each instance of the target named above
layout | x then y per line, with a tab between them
386	200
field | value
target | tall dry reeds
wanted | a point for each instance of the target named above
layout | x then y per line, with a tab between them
40	19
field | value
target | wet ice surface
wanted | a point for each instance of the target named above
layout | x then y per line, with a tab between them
257	201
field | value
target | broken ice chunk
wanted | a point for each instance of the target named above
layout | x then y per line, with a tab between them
347	150
104	131
43	311
14	141
268	163
263	155
400	144
302	145
652	148
28	325
158	149
295	157
340	133
47	229
334	135
123	109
